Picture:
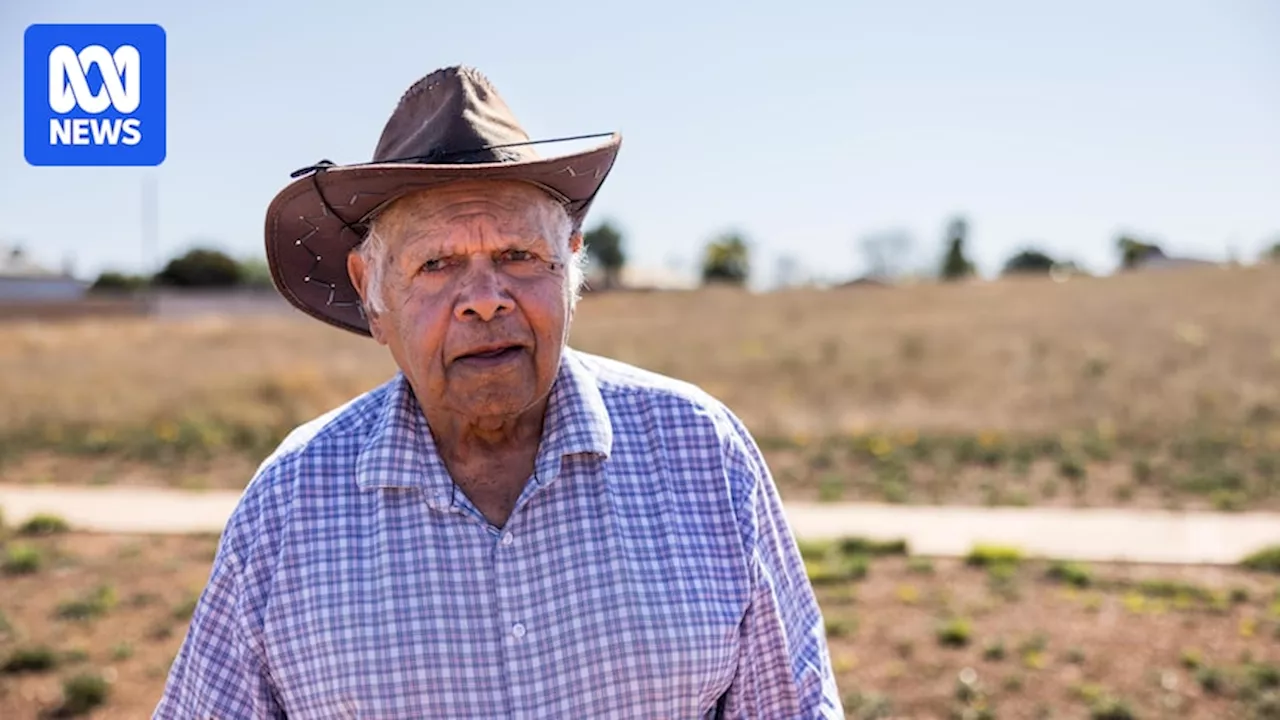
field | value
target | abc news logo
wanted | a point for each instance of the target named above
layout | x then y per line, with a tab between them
94	95
69	89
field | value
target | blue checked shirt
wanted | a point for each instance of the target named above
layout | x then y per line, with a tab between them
647	571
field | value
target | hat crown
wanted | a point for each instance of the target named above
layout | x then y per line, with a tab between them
453	115
451	125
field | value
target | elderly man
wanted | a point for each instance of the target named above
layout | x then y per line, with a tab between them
508	528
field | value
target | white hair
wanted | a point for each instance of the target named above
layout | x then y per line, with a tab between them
554	218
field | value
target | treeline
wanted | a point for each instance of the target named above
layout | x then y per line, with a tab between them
196	268
725	259
728	257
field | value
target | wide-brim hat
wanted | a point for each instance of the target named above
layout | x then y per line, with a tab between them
450	125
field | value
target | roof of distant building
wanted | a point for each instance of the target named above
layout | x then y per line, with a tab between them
1158	260
14	262
643	278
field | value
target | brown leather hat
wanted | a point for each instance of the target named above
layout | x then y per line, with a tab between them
450	125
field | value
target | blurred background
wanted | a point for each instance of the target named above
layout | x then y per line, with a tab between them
1017	260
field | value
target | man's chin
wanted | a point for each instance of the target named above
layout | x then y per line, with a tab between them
493	399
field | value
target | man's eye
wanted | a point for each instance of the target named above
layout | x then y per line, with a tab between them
518	255
434	265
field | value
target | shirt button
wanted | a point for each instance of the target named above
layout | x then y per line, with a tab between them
517	630
508	538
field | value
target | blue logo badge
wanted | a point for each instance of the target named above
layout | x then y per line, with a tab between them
94	95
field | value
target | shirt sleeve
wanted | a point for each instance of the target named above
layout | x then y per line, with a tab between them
219	671
785	667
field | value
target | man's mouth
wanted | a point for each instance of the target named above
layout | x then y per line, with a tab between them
502	352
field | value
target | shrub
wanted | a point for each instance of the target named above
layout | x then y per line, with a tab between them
954	633
84	692
1159	588
840	627
920	566
1141	471
994	650
1071	468
1036	643
867	706
727	259
1210	679
837	568
831	488
1264	560
91	606
114	281
1111	708
908	594
43	524
32	659
21	559
1266	706
1228	500
865	546
185	609
1071	573
1001	578
987	555
201	267
1263	676
1029	261
815	549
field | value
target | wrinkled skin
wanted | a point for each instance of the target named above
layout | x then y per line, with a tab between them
470	267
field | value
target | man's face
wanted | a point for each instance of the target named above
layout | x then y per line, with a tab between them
476	303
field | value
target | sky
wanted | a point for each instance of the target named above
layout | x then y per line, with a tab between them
805	126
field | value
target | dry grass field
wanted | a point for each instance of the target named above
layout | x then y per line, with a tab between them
89	625
1150	390
1155	390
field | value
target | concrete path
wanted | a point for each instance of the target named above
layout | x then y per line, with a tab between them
1092	534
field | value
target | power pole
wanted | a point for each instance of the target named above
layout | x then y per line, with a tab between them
150	236
149	223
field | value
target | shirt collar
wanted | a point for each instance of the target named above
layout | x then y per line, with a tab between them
577	421
400	451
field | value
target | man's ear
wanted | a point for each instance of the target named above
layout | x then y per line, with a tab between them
356	270
575	245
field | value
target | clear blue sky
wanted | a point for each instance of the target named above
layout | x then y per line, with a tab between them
804	124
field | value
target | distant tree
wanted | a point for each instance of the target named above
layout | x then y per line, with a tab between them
201	267
255	273
1029	262
887	253
1133	251
112	281
787	272
1069	268
604	245
955	264
1273	254
727	260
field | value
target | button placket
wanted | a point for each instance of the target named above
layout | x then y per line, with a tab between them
504	567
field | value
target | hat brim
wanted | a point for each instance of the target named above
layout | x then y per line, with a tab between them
309	237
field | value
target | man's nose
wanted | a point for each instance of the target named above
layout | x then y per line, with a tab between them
483	295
